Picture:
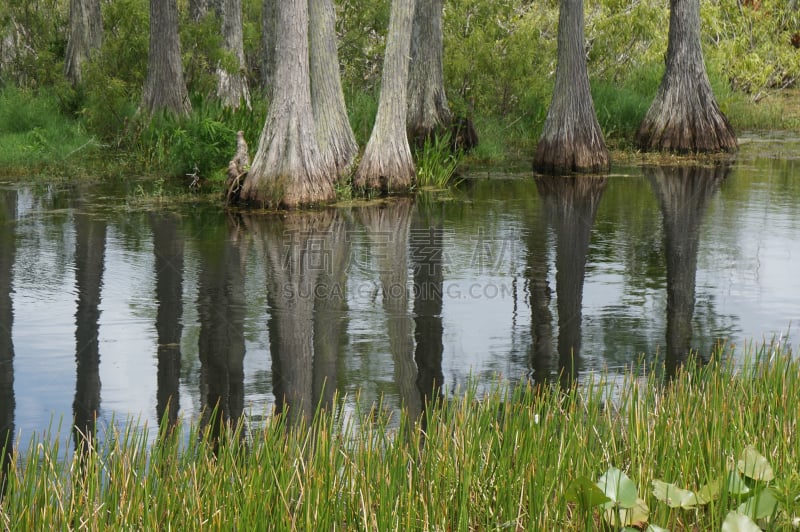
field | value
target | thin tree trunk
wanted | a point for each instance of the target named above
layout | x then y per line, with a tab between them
541	359
428	112
269	42
198	9
85	36
288	169
685	117
334	134
165	88
232	85
572	140
387	164
8	218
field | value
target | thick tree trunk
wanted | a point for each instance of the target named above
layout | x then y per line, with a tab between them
428	112
165	88
85	36
571	205
685	117
269	42
90	242
334	134
232	85
387	164
168	249
8	218
288	169
572	140
683	194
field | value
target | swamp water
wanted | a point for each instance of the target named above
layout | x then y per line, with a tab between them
110	312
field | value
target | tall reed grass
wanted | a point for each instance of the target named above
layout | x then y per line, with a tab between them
498	460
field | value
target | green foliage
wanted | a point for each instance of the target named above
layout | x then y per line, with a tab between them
35	132
361	27
437	163
32	41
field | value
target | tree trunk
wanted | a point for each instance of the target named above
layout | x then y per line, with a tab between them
288	169
428	112
165	88
269	42
572	140
387	164
198	9
685	117
540	356
334	134
683	194
571	205
85	36
90	242
232	86
8	219
168	250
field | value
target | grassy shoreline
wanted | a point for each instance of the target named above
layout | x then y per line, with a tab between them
509	459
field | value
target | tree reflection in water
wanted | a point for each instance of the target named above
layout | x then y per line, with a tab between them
570	206
90	243
221	309
683	193
8	217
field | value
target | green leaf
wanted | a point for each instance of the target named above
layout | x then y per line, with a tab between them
674	496
584	492
753	465
762	504
635	516
618	488
709	492
736	522
654	528
736	484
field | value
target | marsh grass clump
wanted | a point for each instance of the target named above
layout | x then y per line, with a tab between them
520	457
437	162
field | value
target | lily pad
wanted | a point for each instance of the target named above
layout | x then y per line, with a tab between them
586	493
618	488
635	516
754	465
736	484
709	492
736	522
674	496
762	504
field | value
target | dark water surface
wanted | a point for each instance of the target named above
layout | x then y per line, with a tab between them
109	311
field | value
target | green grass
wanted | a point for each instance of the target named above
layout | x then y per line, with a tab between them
34	132
505	459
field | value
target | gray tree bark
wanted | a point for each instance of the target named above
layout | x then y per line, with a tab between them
387	164
428	111
269	41
8	218
198	9
334	134
685	117
232	86
165	88
85	36
288	169
572	140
